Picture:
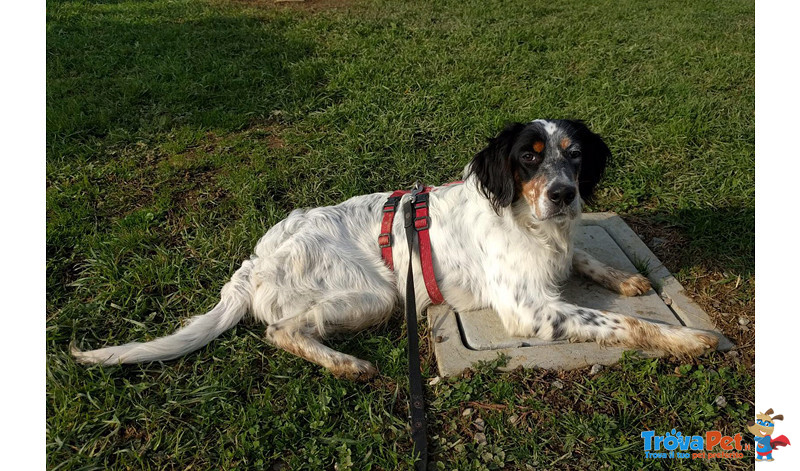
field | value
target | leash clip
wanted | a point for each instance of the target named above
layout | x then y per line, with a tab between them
408	217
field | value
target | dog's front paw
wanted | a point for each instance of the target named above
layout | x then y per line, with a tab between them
355	370
634	285
694	343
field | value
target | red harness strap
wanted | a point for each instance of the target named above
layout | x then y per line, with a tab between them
385	238
421	224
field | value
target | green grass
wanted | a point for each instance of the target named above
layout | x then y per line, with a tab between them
179	131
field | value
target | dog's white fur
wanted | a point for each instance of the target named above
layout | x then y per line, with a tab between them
320	271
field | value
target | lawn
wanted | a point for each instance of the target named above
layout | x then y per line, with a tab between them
179	131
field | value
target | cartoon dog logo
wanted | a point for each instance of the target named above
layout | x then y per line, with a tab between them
762	430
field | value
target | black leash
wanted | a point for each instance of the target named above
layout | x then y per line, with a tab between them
417	400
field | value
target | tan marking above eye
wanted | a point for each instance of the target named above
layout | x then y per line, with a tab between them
565	142
538	146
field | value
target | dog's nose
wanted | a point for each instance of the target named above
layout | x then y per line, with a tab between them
561	194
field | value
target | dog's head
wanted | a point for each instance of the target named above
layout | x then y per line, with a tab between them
549	164
764	424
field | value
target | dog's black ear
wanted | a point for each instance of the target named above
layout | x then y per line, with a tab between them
595	158
493	168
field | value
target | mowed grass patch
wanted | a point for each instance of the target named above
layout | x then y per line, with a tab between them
179	132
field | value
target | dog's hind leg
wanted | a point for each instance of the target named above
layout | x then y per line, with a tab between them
301	334
626	284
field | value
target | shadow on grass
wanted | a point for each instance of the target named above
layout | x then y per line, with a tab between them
186	65
720	239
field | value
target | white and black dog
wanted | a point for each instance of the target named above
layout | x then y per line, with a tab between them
501	239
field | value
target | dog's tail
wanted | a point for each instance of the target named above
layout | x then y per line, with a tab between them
235	302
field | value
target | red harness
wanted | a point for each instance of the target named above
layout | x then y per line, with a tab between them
421	224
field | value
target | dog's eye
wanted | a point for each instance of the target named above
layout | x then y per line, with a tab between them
530	157
574	154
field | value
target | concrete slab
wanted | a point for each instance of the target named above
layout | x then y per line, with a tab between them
464	338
